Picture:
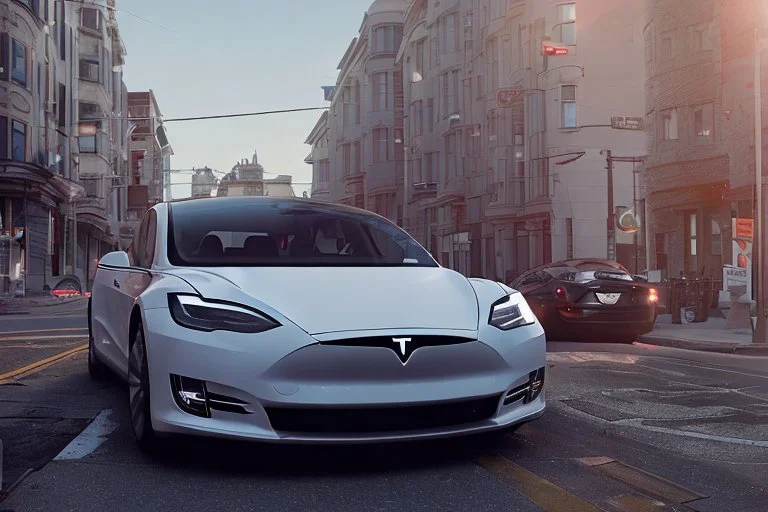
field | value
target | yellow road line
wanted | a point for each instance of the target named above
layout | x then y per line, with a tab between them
48	337
43	362
542	492
63	329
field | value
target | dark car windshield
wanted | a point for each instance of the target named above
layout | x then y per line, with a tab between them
582	275
255	232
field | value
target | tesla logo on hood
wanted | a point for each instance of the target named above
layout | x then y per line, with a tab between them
401	342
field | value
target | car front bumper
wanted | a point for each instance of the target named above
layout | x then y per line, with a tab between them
283	386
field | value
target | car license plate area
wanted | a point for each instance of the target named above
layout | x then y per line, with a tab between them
609	299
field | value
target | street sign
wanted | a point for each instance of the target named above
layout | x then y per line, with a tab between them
627	123
554	50
505	98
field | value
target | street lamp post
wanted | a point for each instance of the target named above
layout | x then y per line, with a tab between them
759	333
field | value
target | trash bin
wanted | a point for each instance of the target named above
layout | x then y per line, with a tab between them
676	299
702	300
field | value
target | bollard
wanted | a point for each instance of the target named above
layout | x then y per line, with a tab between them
1	464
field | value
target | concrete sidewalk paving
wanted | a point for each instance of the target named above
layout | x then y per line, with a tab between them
709	336
25	305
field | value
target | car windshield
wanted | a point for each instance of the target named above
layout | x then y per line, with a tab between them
582	275
251	232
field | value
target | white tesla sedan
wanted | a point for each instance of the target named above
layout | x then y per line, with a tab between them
299	321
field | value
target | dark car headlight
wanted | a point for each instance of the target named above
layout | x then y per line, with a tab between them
194	312
510	312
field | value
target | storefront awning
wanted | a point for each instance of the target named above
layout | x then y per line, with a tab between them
23	176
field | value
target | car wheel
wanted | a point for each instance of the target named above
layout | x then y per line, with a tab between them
96	369
138	393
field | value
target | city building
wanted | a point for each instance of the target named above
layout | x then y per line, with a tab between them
204	182
247	179
150	153
365	153
102	128
506	167
37	162
318	158
700	93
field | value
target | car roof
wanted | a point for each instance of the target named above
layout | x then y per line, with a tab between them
580	264
204	203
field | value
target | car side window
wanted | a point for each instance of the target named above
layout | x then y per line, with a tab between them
149	240
139	243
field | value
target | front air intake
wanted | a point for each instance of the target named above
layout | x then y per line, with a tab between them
192	396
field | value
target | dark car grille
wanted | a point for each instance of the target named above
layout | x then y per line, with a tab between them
404	350
381	419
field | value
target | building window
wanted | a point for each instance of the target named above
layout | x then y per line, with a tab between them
387	38
380	145
701	39
669	124
703	123
568	106
449	33
87	137
3	141
493	60
450	92
450	156
418	118
91	18
18	63
430	115
91	187
420	58
380	92
566	14
89	110
667	45
89	70
18	141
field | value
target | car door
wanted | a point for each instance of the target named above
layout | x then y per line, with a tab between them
129	285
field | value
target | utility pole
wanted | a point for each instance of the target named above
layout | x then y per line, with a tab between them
759	333
611	227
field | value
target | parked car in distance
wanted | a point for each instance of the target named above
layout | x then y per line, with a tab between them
596	300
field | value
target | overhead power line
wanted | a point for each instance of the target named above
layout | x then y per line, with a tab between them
245	114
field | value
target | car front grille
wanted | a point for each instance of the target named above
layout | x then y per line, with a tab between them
381	419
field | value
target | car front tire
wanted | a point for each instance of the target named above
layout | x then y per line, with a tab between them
138	393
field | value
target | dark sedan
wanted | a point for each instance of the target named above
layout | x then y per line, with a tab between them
589	299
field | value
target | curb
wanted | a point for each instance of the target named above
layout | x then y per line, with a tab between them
706	346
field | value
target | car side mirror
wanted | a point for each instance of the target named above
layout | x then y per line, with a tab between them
116	259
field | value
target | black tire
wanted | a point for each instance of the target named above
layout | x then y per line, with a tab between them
139	393
96	369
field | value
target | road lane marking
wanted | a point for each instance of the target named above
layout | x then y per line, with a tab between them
62	329
543	493
48	337
642	480
90	438
31	368
634	503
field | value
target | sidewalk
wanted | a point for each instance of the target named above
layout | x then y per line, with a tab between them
26	305
709	336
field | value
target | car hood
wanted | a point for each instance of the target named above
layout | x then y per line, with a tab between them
328	299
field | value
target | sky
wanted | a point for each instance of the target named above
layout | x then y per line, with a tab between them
210	57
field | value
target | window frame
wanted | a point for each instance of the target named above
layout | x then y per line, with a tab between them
13	132
568	102
14	44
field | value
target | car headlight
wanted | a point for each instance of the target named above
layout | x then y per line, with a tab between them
510	312
193	312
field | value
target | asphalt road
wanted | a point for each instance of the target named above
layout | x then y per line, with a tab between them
628	428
